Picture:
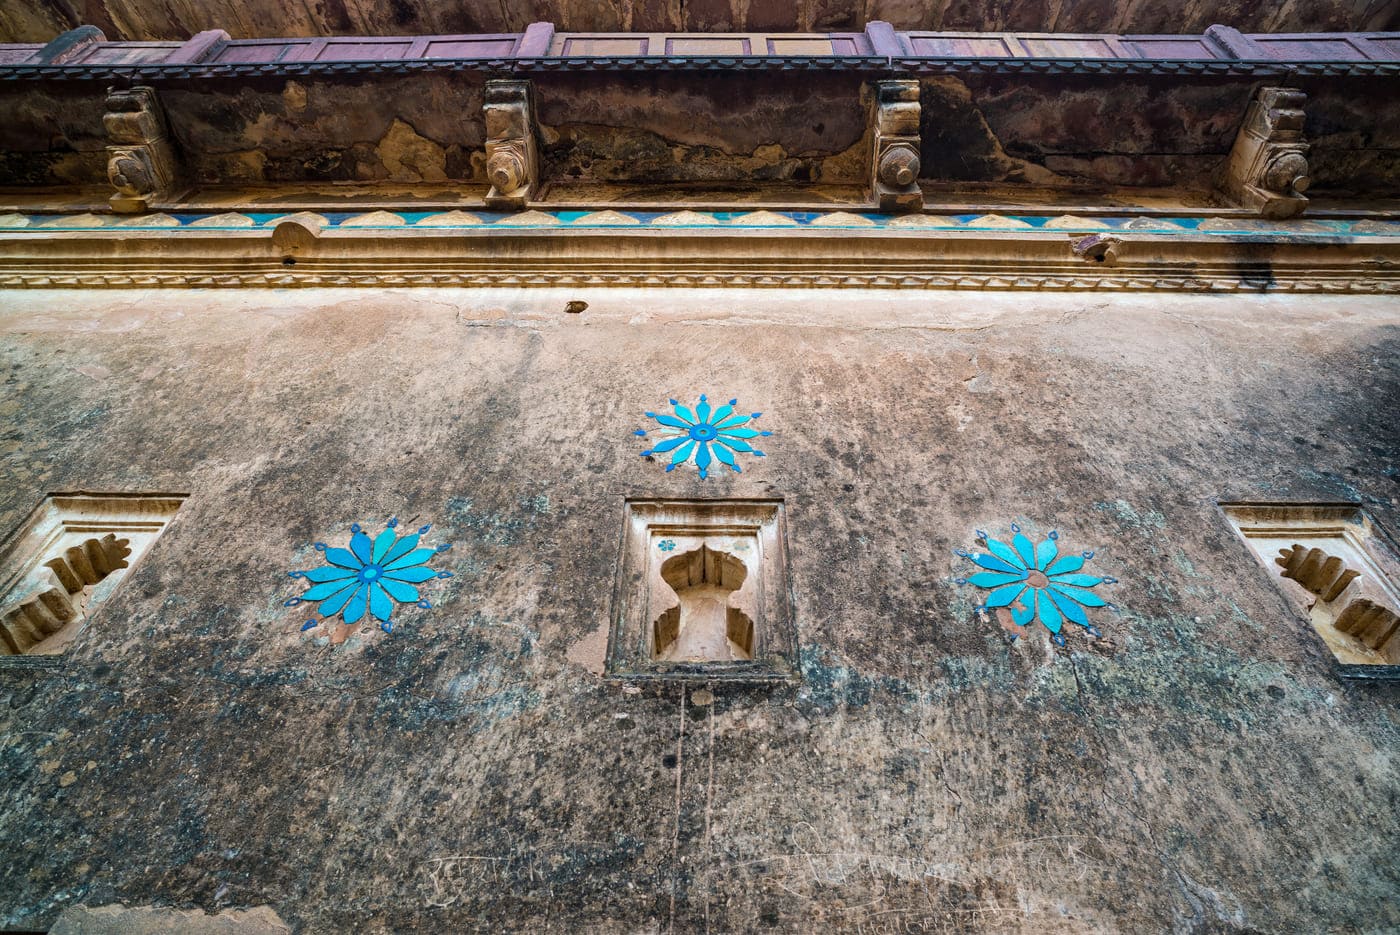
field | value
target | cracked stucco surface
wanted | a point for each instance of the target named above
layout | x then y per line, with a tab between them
1200	770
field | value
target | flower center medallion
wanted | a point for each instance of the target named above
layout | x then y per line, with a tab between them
702	432
369	573
1037	579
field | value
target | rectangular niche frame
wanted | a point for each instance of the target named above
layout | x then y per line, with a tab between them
730	525
61	522
1343	530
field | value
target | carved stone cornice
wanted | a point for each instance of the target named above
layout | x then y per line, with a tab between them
84	55
808	258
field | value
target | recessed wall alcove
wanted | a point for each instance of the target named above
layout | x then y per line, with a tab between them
702	593
66	558
1339	569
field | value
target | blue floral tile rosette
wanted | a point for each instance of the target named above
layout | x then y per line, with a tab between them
704	435
1035	582
371	576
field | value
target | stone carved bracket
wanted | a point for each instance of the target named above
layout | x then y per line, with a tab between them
1268	168
512	156
141	161
894	118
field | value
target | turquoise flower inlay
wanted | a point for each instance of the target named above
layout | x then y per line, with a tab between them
371	575
705	435
666	545
1035	582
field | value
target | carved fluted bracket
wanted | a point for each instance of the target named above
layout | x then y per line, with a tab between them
141	162
512	158
1373	624
1325	575
895	168
43	614
1268	167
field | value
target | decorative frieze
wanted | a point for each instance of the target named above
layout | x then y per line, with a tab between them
141	163
512	159
1268	167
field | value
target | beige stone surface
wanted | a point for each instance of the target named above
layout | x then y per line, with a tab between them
449	219
225	220
158	219
606	219
842	219
374	219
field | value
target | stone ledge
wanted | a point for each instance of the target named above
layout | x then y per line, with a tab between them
158	920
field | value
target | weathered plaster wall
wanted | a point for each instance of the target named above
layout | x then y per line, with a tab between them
673	127
737	129
1354	139
27	20
1199	769
53	136
424	128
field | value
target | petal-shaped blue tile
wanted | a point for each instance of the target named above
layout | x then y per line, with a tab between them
724	454
1081	581
403	593
416	557
995	564
401	548
702	457
672	421
1045	553
415	575
736	420
740	433
1087	598
320	592
332	606
685	413
1065	563
680	456
1069	608
1048	612
669	444
1023	613
379	604
362	547
736	444
1004	595
723	412
1004	552
703	411
356	608
382	542
344	559
1024	548
330	573
993	579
